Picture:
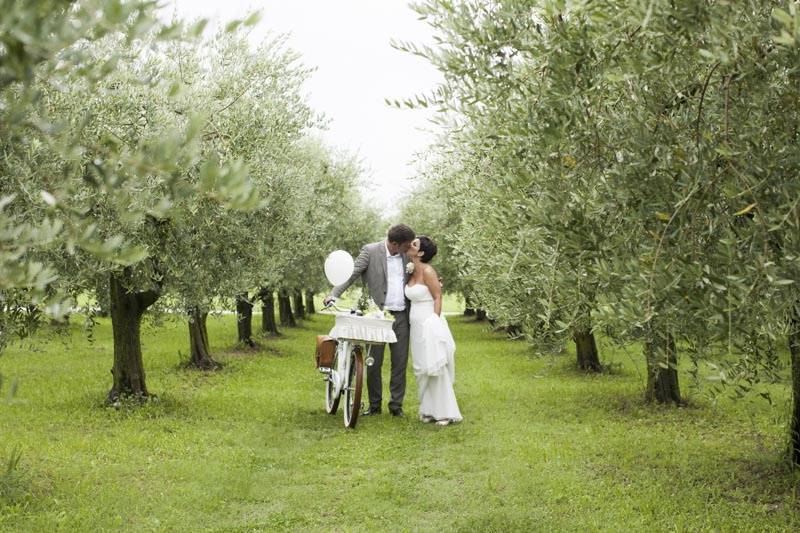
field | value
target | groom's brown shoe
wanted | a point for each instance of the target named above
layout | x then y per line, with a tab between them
397	411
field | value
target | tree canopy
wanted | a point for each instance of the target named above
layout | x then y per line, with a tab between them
626	166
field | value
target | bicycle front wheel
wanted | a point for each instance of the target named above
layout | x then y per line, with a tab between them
352	394
331	394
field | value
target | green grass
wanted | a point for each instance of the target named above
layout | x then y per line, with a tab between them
542	447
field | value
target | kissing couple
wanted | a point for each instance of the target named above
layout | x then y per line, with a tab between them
400	280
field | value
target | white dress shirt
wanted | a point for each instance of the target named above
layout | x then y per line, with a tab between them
395	279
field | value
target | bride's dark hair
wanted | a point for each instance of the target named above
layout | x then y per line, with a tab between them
429	247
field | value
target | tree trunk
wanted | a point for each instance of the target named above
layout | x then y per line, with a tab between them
127	309
662	367
310	310
199	352
31	322
299	310
268	324
480	314
282	308
244	320
586	348
468	309
285	309
64	322
794	350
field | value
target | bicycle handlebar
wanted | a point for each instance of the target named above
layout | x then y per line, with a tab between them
351	311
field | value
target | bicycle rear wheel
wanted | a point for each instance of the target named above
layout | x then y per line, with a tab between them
331	397
352	394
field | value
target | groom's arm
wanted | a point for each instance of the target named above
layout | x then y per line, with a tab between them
360	266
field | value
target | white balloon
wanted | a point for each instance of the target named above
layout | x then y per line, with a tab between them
338	267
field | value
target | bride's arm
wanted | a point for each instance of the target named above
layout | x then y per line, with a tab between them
432	281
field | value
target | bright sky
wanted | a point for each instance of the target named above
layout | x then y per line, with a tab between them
347	41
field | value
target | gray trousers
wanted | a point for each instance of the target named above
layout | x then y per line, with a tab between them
399	352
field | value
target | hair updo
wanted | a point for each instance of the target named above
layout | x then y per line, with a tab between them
429	247
400	233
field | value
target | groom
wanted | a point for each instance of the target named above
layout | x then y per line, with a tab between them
382	266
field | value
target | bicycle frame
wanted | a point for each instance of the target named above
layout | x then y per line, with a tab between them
340	375
345	379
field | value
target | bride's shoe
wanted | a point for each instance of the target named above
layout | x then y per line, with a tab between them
443	422
426	419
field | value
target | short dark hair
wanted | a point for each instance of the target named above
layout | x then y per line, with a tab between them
400	233
429	247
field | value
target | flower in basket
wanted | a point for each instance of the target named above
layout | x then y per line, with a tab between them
363	301
409	268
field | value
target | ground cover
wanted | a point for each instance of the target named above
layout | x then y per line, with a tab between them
250	448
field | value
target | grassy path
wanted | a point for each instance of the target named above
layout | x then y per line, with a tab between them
250	448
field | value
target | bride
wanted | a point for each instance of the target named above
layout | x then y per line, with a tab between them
432	345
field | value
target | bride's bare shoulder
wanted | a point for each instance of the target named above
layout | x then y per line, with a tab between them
429	271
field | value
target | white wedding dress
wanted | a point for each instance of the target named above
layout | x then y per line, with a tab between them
432	354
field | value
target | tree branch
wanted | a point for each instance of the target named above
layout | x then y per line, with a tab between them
700	108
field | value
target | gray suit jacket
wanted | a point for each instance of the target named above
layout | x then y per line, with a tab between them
370	266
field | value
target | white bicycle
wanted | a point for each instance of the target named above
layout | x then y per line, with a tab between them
353	334
345	378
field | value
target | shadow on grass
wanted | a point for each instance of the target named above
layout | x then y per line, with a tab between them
581	397
496	521
764	478
565	366
634	404
191	373
314	420
155	406
767	478
243	350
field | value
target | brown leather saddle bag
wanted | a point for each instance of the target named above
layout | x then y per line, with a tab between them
326	350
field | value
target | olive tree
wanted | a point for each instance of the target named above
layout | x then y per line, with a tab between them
433	208
45	40
665	131
132	167
325	213
510	176
258	115
50	47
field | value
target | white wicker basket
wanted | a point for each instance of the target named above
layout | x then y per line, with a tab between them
363	329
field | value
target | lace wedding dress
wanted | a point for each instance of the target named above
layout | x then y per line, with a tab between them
432	351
